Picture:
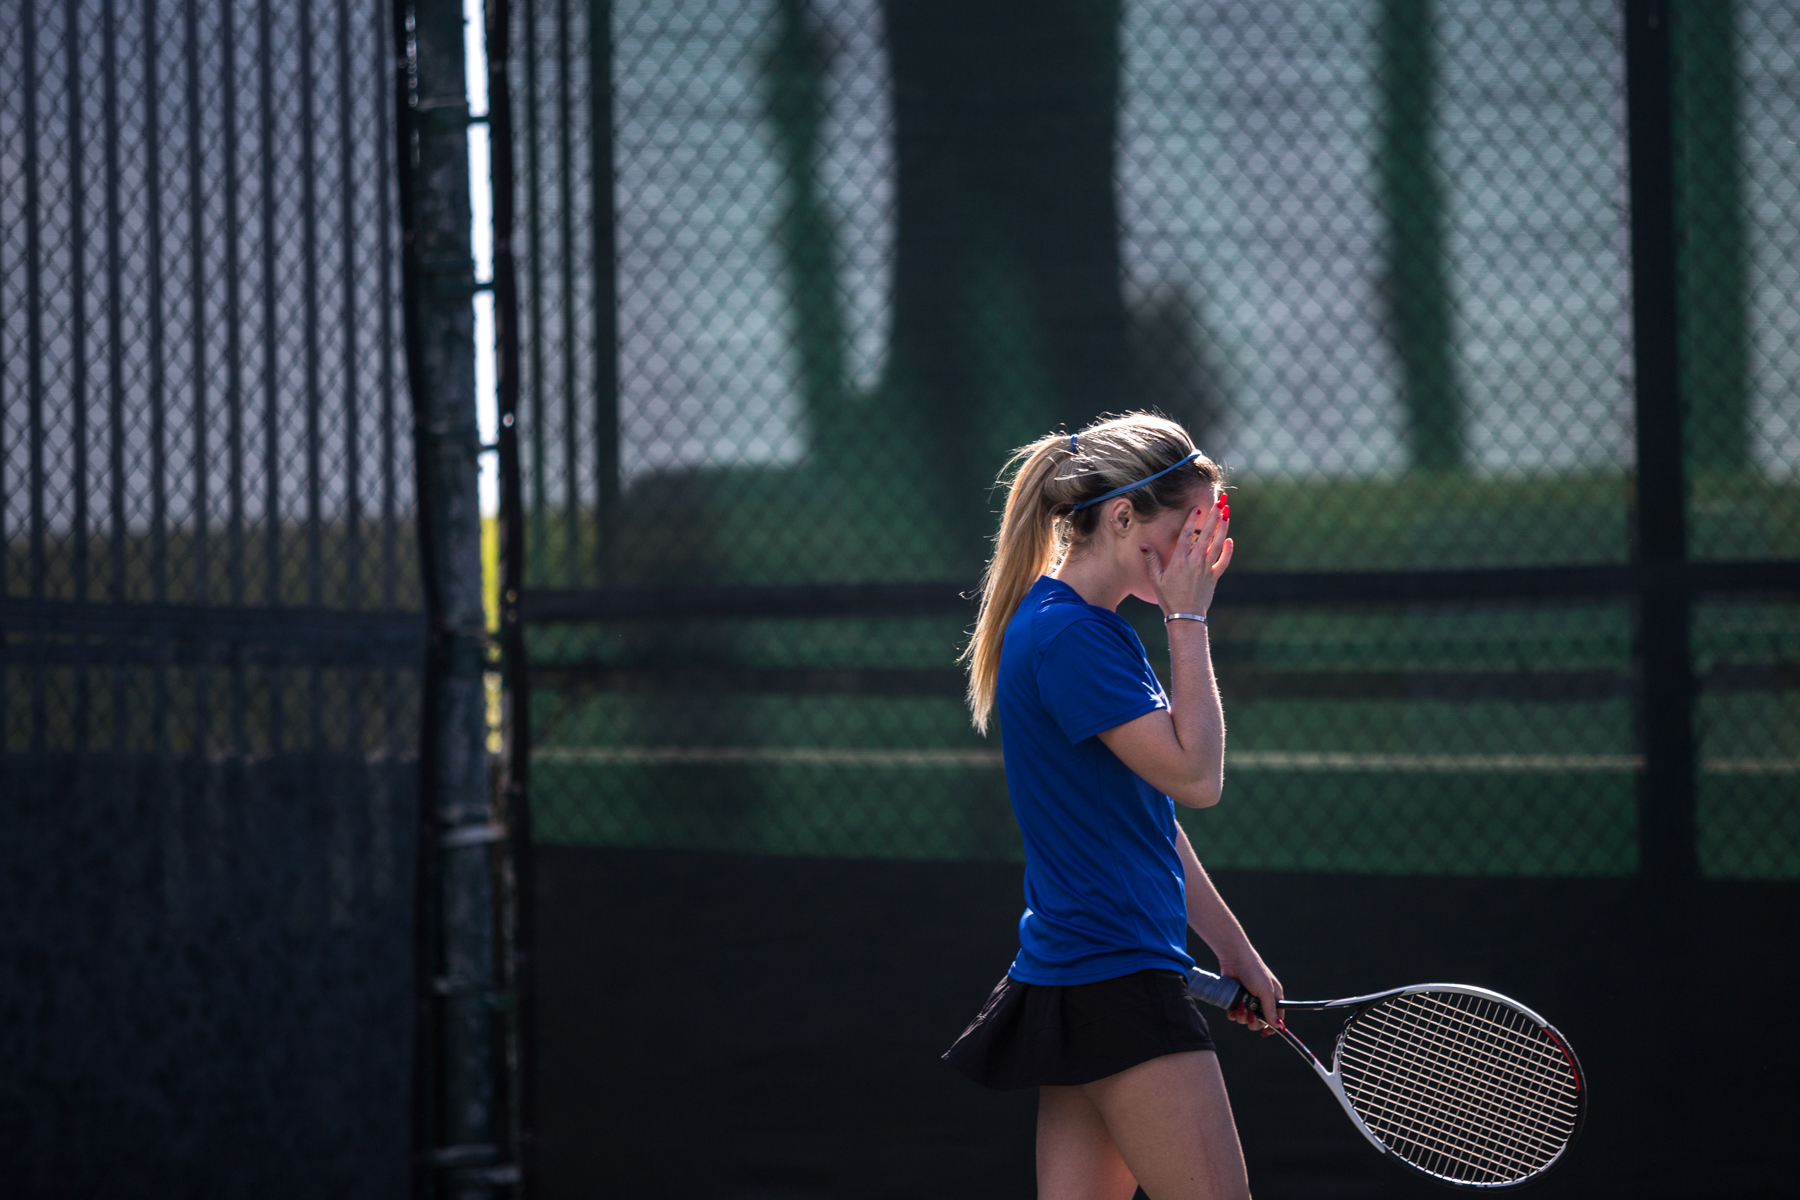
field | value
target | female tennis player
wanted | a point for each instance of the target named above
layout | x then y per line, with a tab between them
1094	1011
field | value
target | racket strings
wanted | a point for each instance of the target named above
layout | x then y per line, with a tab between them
1470	1062
1461	1086
1445	1096
1424	1085
1423	1094
1428	1122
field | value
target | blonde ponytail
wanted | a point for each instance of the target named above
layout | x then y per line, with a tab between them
1039	524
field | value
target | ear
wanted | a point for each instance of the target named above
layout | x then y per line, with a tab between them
1118	516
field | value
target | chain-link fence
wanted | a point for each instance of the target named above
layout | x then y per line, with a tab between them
212	635
796	276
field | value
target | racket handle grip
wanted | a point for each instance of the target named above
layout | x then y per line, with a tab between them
1220	991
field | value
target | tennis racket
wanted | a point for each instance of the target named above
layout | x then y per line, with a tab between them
1459	1083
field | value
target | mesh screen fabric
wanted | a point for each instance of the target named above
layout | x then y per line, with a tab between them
210	601
1374	254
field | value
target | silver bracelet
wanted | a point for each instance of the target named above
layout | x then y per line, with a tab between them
1200	617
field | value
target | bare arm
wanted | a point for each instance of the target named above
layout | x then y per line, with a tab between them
1180	751
1219	929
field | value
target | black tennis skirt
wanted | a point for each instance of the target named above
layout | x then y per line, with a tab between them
1036	1035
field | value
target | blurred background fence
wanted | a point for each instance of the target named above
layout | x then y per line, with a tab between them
1489	311
795	277
211	609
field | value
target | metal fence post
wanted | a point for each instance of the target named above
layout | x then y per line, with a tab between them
1666	829
459	1132
515	680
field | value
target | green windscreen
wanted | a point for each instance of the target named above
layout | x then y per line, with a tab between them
798	276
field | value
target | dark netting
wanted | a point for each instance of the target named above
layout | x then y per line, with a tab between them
1737	164
211	611
1748	725
1377	256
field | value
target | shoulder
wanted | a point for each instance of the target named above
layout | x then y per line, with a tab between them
1050	609
1089	640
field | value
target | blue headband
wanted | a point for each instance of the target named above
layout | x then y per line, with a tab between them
1132	487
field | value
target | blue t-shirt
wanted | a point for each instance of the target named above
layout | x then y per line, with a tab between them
1103	885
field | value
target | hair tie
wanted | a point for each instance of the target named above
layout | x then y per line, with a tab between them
1132	487
1072	447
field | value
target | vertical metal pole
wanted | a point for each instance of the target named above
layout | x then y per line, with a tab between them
159	451
115	354
515	680
534	175
1666	852
235	572
34	357
309	295
570	553
461	1134
385	198
606	308
78	353
200	465
346	101
275	674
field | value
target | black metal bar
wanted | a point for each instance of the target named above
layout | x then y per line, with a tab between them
34	360
388	67
6	540
271	346
425	935
565	134
534	182
957	598
463	1042
309	304
353	452
604	256
385	51
115	355
310	339
234	352
1239	680
155	384
159	502
115	306
199	622
200	466
515	682
235	532
1666	826
78	365
271	365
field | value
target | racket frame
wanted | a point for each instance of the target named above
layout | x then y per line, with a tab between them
1211	988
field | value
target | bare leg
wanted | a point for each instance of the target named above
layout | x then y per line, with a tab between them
1169	1120
1076	1158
